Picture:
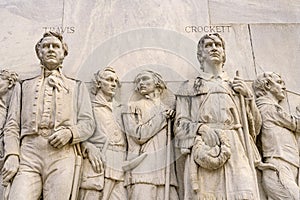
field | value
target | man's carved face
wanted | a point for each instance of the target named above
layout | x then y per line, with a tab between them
109	83
213	51
277	88
145	84
51	52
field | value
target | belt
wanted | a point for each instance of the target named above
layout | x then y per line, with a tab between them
114	147
223	126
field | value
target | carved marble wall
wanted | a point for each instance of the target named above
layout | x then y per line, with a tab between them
132	35
159	35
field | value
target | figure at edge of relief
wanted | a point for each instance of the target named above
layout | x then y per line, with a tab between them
10	92
108	143
150	173
216	124
56	115
278	139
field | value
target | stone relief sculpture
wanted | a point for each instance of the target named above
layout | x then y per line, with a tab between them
148	174
10	92
108	143
56	114
278	139
48	122
216	122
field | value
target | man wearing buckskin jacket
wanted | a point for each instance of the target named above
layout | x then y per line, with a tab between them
208	130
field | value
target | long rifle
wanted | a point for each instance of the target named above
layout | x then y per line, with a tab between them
246	134
245	126
168	161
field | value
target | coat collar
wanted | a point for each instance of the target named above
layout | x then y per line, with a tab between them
101	101
58	78
265	100
208	76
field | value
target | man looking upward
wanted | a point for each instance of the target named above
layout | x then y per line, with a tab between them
208	129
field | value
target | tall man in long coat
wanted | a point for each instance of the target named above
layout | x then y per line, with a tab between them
208	129
56	114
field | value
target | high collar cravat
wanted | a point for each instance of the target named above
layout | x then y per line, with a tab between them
55	78
46	72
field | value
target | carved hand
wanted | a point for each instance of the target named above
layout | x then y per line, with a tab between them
209	136
95	158
10	168
60	138
241	87
169	113
84	148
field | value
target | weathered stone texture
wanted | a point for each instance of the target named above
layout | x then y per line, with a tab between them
135	35
276	48
254	11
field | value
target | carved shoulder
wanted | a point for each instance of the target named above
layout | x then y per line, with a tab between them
29	79
73	79
186	88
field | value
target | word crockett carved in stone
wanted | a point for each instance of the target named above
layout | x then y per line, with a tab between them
108	143
149	173
216	123
56	115
10	92
278	139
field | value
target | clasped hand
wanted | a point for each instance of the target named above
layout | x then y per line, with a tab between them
169	113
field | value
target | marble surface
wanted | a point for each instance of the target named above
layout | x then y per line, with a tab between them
159	35
276	48
254	11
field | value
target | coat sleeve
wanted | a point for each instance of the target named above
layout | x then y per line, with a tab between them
139	130
281	118
85	121
99	137
185	128
12	125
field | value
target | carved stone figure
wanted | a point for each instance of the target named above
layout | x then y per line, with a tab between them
216	122
108	142
278	140
10	92
149	176
56	114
